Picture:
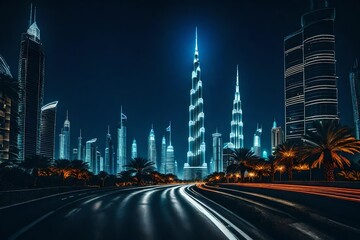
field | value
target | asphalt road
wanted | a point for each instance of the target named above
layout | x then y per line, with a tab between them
170	212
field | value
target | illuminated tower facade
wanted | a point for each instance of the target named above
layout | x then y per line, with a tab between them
152	147
310	73
355	96
163	155
65	150
80	147
47	130
31	84
121	151
134	149
217	152
110	163
8	113
257	141
196	167
170	156
276	137
91	155
236	135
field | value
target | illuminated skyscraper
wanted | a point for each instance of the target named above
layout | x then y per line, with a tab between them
134	149
80	156
309	71
170	156
110	163
257	141
152	147
31	84
276	137
74	154
196	167
64	152
163	155
218	152
236	135
91	155
355	96
8	113
121	151
47	130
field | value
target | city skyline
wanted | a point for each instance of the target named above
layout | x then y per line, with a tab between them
215	74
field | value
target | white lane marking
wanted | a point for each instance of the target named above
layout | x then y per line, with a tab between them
71	196
97	205
241	232
24	229
304	229
63	198
201	209
72	212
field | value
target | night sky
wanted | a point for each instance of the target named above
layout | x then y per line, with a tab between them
104	54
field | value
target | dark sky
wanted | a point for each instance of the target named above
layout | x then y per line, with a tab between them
138	54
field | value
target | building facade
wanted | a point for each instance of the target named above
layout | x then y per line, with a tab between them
8	113
65	149
163	155
218	152
134	149
276	137
121	151
196	167
237	135
31	89
309	71
80	155
109	160
91	155
47	130
152	148
257	141
355	96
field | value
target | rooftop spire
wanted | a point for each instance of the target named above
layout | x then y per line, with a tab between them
34	14
237	74
196	49
67	115
80	132
30	20
108	129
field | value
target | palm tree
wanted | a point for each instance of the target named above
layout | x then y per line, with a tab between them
286	154
126	177
271	161
262	168
62	168
140	166
36	164
243	158
79	170
327	145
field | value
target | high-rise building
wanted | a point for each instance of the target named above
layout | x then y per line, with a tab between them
163	155
309	72
276	137
31	84
218	152
99	162
65	140
257	141
110	163
152	147
91	155
170	155
264	154
236	135
80	155
133	149
196	167
355	96
47	130
74	154
8	113
121	151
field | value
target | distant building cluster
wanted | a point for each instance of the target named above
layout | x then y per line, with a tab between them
28	126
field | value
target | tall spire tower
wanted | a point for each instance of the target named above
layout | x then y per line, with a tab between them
79	154
31	86
121	151
196	167
236	135
152	147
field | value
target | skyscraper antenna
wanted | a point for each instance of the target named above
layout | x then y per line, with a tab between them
170	133
196	42
30	20
108	129
35	14
67	114
80	132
